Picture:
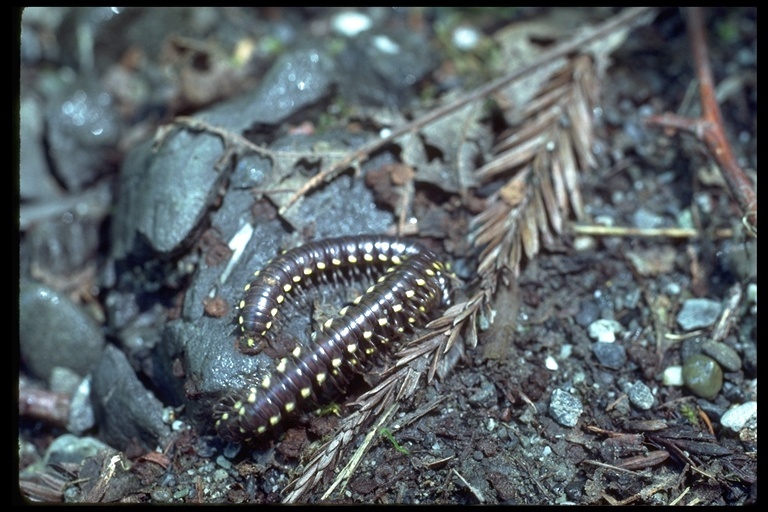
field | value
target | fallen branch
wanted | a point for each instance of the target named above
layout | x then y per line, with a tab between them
709	127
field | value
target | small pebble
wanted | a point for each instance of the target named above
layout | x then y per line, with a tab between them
81	415
220	475
351	23
640	395
703	376
723	354
589	311
161	495
737	417
565	408
698	313
610	355
465	38
646	219
673	376
550	363
604	330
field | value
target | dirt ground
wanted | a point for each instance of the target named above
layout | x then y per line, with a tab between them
495	429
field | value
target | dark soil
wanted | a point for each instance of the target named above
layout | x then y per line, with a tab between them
486	434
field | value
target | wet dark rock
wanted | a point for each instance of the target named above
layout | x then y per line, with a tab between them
63	244
610	355
297	79
164	195
381	69
212	364
54	331
127	413
83	128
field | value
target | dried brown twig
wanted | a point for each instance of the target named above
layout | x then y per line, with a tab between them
541	161
43	405
600	230
709	127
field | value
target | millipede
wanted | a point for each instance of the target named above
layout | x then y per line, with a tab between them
325	260
413	287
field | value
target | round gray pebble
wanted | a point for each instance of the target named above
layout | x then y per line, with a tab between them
610	355
640	395
723	354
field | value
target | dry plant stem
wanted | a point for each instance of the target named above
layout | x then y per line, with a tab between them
709	128
729	315
598	230
626	18
47	406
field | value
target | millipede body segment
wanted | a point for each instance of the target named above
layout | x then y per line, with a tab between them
413	287
293	270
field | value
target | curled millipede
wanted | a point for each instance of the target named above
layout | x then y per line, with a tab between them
411	290
287	275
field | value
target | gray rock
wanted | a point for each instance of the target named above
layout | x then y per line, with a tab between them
737	417
565	408
640	395
81	416
610	355
164	195
35	179
484	397
698	313
83	127
69	448
54	331
127	412
298	78
723	354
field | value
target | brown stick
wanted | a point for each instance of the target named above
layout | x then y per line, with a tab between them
709	128
47	406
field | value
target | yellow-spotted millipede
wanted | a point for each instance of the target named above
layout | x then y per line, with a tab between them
412	286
